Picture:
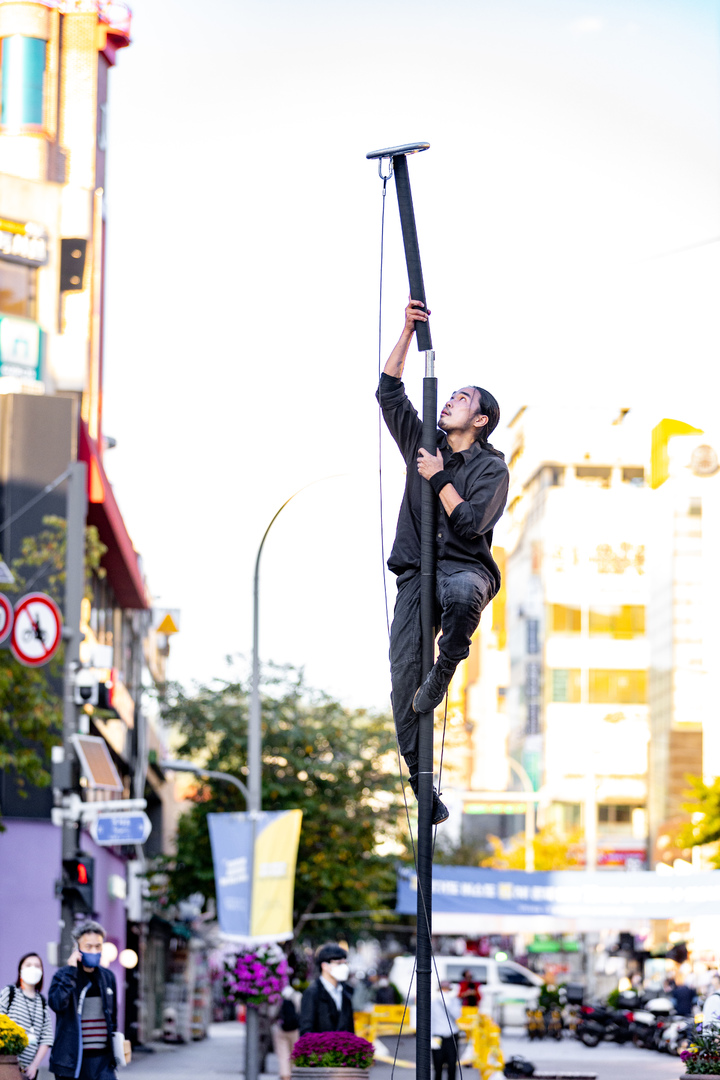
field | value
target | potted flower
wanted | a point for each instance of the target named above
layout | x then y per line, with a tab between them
256	978
331	1055
702	1057
13	1041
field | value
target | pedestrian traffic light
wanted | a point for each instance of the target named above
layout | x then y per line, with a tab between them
78	883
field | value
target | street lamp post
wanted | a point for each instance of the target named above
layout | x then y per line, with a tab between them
254	759
211	774
529	813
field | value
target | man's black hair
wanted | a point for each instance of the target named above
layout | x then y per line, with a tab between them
490	408
329	952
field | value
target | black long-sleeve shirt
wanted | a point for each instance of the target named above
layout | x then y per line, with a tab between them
480	477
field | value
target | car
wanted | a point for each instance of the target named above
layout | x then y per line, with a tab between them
508	989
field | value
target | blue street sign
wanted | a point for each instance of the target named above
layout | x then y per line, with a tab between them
121	828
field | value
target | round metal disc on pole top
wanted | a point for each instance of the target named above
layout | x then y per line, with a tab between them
396	151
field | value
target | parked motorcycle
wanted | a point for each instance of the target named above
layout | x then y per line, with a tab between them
644	1030
598	1023
677	1035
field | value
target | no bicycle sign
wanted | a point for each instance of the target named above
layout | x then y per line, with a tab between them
36	630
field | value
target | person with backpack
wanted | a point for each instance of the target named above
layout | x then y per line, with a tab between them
286	1029
23	1002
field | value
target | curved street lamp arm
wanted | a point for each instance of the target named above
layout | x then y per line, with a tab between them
198	770
254	728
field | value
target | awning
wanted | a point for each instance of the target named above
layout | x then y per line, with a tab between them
121	559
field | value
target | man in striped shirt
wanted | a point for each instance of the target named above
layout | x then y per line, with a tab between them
84	997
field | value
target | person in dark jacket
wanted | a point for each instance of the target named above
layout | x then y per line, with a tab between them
470	480
83	996
327	1002
683	998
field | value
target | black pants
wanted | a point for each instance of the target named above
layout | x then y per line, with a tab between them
459	601
95	1067
446	1055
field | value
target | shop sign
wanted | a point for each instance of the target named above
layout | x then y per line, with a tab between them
20	347
567	894
25	243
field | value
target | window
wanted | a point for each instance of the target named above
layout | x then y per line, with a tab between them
454	972
17	289
565	685
599	473
615	815
608	687
565	620
23	83
624	622
532	629
510	975
634	476
570	815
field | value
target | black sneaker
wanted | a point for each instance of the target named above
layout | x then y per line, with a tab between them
434	688
440	811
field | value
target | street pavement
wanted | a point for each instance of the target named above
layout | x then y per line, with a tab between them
222	1053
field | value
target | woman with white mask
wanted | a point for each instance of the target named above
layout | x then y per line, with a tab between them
24	1003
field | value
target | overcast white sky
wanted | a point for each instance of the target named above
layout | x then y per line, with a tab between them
572	142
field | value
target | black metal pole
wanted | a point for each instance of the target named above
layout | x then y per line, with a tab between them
427	621
412	250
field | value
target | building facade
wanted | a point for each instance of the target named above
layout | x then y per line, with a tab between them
684	640
577	596
55	62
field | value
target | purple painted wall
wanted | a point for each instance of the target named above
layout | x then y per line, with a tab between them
30	864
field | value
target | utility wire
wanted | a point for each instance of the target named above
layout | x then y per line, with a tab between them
35	499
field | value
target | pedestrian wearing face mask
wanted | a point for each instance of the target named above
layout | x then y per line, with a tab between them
23	1002
327	1003
84	998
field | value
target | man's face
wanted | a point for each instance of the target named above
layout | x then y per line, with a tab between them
330	967
90	943
460	412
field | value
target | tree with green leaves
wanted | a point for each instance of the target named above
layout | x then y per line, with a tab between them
30	698
704	808
337	765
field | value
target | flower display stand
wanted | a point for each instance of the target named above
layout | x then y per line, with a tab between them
325	1072
9	1068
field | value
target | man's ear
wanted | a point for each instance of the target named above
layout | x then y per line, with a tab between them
480	420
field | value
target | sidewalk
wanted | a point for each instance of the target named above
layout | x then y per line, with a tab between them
223	1054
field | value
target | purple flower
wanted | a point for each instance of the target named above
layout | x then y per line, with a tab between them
332	1048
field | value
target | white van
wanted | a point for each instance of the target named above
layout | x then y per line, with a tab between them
508	989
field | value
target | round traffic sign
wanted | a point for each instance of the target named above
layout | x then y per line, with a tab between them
6	616
37	629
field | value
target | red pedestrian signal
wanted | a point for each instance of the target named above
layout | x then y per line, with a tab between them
78	882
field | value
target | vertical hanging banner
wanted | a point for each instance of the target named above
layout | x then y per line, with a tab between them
254	863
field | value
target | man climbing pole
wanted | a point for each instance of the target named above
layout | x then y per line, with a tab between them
470	479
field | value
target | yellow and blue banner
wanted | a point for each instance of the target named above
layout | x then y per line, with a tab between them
254	859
